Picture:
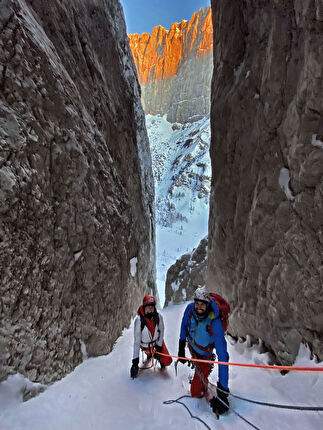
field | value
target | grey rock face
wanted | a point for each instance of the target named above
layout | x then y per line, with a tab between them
76	186
266	205
183	277
185	97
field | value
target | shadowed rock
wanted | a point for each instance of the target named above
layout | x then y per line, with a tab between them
76	187
266	205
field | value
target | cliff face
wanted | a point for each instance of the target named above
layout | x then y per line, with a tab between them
76	196
266	224
175	68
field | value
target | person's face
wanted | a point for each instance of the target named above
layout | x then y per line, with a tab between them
200	307
149	309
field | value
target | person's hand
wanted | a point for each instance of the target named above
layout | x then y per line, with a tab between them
220	404
191	364
134	368
181	351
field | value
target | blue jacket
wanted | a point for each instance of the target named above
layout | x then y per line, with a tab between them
195	330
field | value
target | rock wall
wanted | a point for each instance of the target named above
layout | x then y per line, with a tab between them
175	68
76	197
188	273
266	205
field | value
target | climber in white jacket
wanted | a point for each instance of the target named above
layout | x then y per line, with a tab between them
149	334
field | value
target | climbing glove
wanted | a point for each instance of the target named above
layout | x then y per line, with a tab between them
181	351
220	404
158	349
134	368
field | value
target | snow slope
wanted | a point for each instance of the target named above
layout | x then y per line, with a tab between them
182	175
100	395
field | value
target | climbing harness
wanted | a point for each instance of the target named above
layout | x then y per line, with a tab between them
151	357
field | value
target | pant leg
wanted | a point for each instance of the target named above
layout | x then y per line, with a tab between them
166	361
199	386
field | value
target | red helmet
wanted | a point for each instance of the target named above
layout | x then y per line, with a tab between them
148	300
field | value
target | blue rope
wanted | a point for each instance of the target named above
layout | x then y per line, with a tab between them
227	406
169	402
275	405
240	416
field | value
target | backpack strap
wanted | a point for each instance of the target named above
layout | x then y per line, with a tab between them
142	322
211	316
209	347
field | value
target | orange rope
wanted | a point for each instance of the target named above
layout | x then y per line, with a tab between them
261	366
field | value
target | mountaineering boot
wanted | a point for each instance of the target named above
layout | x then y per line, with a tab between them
220	404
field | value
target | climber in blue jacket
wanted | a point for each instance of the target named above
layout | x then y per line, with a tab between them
203	330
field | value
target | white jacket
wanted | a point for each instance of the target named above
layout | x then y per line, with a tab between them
144	339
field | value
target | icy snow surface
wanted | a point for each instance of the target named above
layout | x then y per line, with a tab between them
77	255
316	142
99	394
182	173
133	266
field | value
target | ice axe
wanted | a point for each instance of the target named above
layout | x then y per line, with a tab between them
176	364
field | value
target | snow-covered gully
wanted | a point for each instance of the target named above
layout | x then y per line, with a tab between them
100	394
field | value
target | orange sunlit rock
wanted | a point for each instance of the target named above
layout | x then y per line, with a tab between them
157	56
207	42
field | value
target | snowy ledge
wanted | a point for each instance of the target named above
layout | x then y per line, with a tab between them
93	396
316	142
283	180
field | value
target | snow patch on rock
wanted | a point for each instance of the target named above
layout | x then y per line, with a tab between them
284	179
316	142
133	266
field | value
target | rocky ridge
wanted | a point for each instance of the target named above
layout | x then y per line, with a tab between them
188	273
266	205
175	68
76	187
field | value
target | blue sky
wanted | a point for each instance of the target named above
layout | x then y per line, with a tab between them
143	15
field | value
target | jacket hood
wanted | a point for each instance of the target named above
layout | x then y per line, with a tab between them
140	311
